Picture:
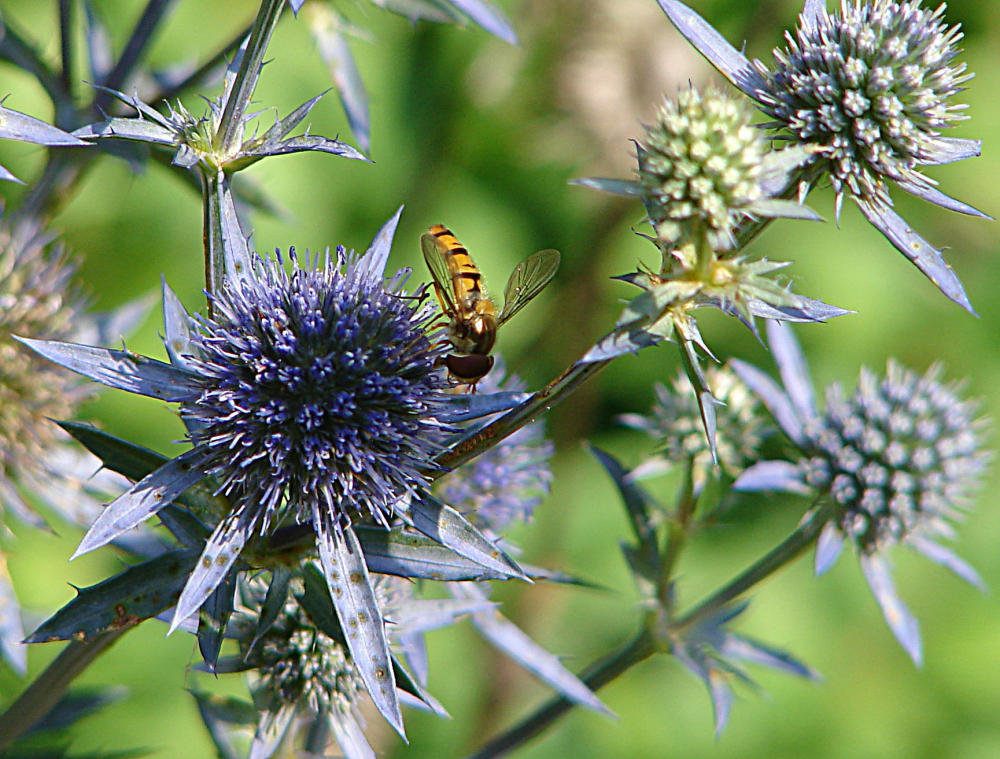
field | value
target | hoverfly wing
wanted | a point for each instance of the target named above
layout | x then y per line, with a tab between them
527	280
435	255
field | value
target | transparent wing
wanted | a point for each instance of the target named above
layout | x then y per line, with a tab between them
437	263
527	280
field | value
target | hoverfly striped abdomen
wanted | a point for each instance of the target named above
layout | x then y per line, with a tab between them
472	316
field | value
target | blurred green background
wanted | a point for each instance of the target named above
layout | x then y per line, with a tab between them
482	136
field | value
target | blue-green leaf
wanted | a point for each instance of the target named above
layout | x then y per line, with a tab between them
123	370
214	617
445	525
360	618
221	552
144	499
138	593
15	125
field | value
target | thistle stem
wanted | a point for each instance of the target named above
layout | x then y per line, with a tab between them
211	233
67	73
677	533
147	24
598	674
519	416
51	685
230	130
227	255
784	553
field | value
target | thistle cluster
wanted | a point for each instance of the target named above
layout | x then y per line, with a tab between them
899	457
699	167
329	461
38	298
867	91
678	432
870	85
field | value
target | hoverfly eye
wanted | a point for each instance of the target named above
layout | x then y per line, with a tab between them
468	368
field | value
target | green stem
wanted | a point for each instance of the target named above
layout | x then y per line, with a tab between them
230	131
784	553
212	235
704	251
598	674
51	685
518	417
677	533
140	38
67	75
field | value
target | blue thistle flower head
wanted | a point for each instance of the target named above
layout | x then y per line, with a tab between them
899	456
507	482
316	386
896	462
301	674
871	85
315	400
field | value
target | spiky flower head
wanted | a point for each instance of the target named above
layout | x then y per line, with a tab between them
295	663
300	677
505	483
314	400
699	167
894	463
39	299
899	456
676	426
871	85
316	388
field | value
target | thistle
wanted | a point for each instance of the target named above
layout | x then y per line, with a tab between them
895	462
311	397
871	87
316	393
703	171
700	166
39	299
676	427
868	89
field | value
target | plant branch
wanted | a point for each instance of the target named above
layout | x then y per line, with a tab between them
598	674
51	685
784	553
519	416
230	132
678	527
67	74
150	19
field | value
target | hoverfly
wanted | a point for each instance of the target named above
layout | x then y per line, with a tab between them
472	317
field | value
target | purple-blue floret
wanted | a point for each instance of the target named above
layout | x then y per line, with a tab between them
316	384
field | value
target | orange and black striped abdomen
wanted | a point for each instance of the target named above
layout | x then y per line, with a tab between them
466	279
